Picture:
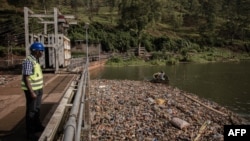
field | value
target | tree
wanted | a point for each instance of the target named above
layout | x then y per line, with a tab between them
236	14
207	21
136	15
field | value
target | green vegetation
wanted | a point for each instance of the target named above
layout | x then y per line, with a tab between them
16	51
77	54
171	30
159	58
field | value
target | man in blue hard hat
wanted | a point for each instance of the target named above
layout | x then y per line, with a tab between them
32	85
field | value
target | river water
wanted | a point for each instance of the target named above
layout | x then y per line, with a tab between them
225	83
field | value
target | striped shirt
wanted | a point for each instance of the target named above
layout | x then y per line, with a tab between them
28	66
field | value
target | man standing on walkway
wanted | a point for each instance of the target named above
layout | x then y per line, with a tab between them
32	85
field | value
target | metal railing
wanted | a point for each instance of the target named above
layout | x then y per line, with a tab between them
74	126
76	62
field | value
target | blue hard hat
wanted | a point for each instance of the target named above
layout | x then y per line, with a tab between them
37	47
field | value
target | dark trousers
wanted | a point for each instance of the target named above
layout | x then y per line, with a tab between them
33	111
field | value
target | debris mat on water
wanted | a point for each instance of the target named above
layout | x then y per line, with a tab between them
144	111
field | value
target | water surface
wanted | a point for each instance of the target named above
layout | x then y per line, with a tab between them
225	83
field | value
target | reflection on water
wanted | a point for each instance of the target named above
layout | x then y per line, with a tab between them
225	83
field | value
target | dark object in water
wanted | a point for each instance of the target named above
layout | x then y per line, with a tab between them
165	81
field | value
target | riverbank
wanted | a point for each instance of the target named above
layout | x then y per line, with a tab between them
209	55
140	110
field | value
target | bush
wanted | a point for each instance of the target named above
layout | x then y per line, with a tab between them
172	61
77	54
115	59
16	51
19	51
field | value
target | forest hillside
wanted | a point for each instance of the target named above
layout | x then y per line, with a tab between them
172	26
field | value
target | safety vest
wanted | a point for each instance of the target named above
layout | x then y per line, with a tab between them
36	79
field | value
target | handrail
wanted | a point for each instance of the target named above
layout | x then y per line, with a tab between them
72	129
82	108
53	125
